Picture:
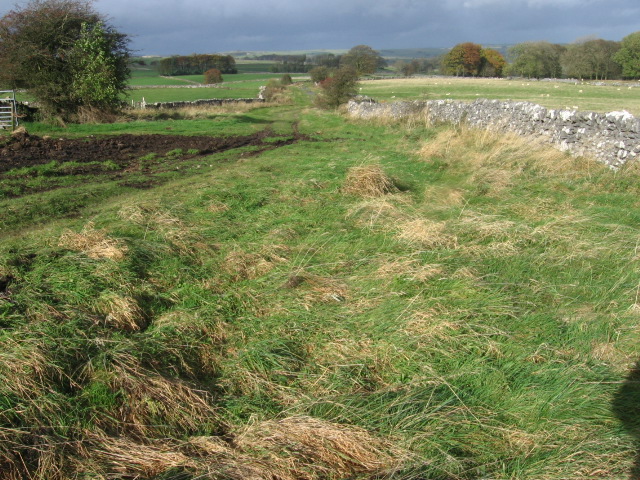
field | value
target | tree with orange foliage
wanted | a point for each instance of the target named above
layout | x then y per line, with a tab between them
465	59
493	63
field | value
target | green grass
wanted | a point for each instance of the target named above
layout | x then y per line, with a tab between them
479	321
550	94
248	89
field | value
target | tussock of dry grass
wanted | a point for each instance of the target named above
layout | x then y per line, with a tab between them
311	448
173	230
429	325
152	402
24	368
443	196
409	268
295	448
426	234
368	181
609	353
317	289
120	312
241	265
127	457
217	207
441	146
374	212
93	243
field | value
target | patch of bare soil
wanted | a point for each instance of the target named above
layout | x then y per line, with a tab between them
24	150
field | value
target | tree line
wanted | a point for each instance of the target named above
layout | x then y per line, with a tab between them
196	64
591	58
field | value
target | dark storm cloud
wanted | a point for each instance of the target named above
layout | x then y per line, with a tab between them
187	26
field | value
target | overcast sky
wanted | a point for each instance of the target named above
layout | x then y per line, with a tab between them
167	27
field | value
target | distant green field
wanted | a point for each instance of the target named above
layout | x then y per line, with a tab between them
247	89
549	94
253	66
247	72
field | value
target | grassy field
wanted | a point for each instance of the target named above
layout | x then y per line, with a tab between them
371	300
240	85
549	94
248	89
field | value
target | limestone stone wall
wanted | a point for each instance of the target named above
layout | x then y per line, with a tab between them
196	103
612	138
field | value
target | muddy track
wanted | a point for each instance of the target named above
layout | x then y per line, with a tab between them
24	150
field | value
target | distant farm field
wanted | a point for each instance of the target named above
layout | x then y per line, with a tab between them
235	90
561	95
238	85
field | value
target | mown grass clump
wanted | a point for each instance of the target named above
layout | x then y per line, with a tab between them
377	301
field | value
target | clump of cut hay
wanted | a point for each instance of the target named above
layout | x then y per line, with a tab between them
368	181
93	243
121	312
426	234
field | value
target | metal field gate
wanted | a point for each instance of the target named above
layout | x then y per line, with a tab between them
8	112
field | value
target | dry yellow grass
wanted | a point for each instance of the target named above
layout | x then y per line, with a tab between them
124	456
368	181
610	354
24	369
409	268
426	233
443	196
217	207
294	448
317	289
93	243
497	158
181	236
150	402
374	212
241	265
120	312
429	325
310	449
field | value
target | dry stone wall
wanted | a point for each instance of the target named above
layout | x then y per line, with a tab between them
612	138
197	103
